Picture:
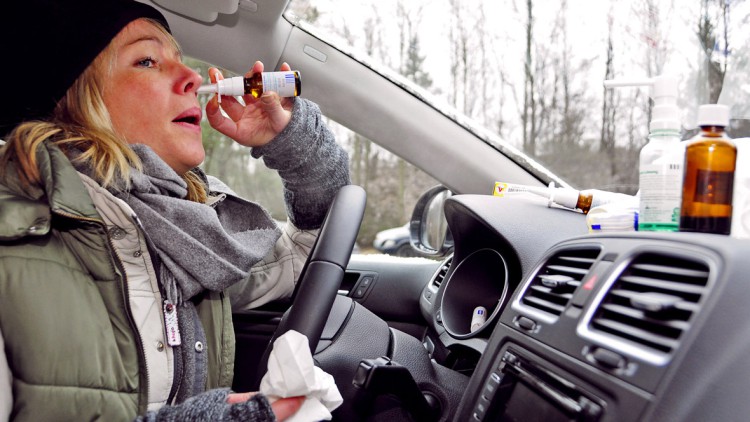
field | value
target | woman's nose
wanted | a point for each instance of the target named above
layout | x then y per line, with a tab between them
190	80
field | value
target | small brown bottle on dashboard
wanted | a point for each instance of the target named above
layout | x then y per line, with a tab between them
710	160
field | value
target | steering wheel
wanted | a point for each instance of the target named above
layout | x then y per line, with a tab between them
323	271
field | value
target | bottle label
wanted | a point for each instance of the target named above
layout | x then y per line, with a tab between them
714	187
281	82
661	195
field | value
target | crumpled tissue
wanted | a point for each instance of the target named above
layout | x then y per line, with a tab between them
291	373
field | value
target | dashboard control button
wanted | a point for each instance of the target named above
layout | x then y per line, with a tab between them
527	324
490	387
608	358
481	409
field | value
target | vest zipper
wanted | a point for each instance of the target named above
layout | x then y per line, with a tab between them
156	263
143	375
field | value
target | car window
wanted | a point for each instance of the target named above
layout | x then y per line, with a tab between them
392	184
532	71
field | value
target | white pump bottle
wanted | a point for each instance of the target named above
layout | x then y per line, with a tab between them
661	159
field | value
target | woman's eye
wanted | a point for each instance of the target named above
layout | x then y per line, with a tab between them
146	62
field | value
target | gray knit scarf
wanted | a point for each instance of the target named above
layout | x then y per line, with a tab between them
199	248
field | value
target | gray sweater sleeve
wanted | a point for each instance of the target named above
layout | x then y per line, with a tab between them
311	165
212	406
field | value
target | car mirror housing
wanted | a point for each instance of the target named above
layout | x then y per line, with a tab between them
428	228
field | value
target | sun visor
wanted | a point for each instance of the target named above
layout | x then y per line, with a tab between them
202	10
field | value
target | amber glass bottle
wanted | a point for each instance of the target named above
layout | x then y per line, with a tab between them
709	175
287	84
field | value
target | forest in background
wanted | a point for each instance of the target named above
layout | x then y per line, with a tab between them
531	71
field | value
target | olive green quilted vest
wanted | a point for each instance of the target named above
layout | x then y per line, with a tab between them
70	341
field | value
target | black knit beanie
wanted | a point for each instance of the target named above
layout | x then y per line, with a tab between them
47	44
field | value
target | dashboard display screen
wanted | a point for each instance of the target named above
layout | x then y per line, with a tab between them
525	405
529	391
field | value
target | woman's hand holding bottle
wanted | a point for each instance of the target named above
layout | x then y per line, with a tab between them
256	122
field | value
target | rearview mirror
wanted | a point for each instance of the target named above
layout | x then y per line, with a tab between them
428	228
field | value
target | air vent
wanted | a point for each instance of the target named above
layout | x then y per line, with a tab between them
442	272
554	284
651	304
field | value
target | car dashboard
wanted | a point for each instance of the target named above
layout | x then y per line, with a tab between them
591	327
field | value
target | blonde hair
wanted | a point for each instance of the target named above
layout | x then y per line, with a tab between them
81	123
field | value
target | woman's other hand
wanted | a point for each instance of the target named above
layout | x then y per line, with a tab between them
255	123
282	408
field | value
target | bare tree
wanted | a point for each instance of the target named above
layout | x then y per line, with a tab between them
713	35
542	83
528	115
483	47
411	60
652	37
572	105
375	44
459	33
562	102
609	109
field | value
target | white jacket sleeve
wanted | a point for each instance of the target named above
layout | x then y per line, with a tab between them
274	277
6	384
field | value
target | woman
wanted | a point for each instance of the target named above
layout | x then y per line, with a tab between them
118	256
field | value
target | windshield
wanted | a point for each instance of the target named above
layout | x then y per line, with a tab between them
532	71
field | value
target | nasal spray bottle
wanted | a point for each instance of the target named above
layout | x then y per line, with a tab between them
569	198
286	84
661	160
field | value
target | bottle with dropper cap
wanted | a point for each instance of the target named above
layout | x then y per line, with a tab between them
661	159
710	160
286	84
